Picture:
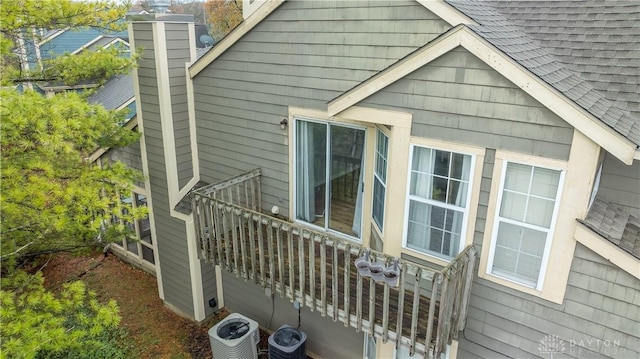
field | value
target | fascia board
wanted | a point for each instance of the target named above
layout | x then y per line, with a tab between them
446	12
260	14
436	48
607	250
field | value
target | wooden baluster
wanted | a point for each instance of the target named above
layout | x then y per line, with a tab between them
243	244
252	247
272	265
312	270
359	299
334	281
440	333
401	291
301	263
323	276
280	259
292	260
372	306
233	214
227	240
435	282
263	277
219	230
414	312
347	284
385	314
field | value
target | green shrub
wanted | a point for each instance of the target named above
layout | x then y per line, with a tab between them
38	324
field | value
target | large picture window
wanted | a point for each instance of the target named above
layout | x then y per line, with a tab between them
438	201
329	164
527	208
380	178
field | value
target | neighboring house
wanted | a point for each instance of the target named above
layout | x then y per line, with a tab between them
138	248
485	141
116	94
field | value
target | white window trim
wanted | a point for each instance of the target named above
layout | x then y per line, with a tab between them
470	213
384	183
550	233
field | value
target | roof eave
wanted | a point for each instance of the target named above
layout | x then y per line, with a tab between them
612	141
242	29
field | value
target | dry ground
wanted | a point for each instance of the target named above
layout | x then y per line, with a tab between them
155	331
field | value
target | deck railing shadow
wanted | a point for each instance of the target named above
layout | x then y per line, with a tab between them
423	311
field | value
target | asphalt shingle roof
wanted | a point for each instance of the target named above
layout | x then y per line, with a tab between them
615	224
588	50
115	92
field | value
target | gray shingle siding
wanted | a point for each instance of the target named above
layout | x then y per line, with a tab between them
177	40
458	98
170	232
619	184
285	61
599	317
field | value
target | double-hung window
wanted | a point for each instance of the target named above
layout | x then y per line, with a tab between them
438	201
528	205
380	178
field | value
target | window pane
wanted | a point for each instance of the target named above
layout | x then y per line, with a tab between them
459	169
345	179
417	226
540	212
421	185
457	193
434	230
441	163
422	160
378	202
147	254
528	268
517	177
382	147
509	236
545	183
310	171
380	178
328	169
518	253
513	206
439	192
132	246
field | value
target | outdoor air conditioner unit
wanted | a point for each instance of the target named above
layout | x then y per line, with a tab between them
235	337
287	343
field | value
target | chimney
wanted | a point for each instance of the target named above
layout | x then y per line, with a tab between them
168	43
169	158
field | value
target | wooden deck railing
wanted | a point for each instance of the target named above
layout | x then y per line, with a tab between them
424	311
